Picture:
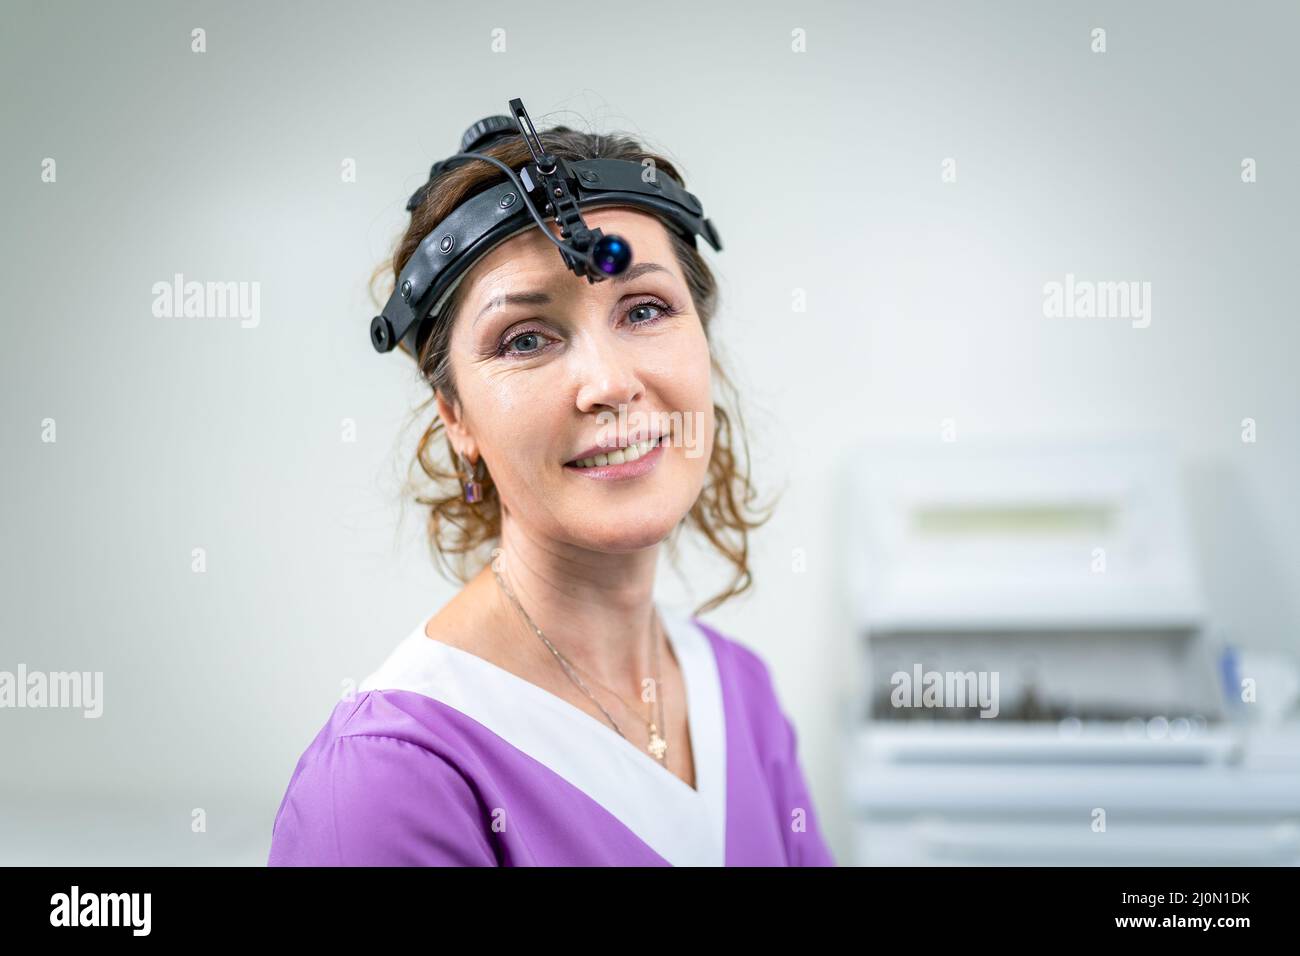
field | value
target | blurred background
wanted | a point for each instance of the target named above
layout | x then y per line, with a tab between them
1008	291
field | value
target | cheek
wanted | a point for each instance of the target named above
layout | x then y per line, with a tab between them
511	423
691	393
694	375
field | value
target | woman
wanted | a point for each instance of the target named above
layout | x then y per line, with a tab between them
553	712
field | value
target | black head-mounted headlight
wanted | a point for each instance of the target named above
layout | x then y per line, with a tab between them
560	188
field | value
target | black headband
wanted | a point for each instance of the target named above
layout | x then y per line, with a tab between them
560	188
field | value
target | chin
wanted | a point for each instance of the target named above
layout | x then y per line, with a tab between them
620	537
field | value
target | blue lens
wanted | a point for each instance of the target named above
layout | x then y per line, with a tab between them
611	254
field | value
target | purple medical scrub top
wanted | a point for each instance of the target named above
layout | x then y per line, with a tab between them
443	758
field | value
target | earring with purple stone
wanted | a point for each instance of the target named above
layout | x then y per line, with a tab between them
473	486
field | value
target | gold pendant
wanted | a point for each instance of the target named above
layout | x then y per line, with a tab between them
658	746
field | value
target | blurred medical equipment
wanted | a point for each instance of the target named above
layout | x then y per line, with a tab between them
1062	576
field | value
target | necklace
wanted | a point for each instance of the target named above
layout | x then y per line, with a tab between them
658	746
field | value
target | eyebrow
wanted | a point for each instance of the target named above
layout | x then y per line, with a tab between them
542	298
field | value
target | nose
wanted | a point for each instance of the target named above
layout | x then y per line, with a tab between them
607	374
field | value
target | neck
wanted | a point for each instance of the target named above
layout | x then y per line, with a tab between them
596	607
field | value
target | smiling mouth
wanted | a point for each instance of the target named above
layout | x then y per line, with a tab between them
618	456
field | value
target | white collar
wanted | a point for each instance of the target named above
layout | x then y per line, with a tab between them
683	825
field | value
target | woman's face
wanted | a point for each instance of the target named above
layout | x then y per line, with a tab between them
548	365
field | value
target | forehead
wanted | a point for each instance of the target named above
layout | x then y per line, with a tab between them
531	258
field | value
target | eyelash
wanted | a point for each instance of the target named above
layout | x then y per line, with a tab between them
666	311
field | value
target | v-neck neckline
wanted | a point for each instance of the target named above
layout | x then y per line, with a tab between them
556	701
686	825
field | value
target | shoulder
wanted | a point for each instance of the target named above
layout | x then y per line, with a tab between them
376	722
751	698
380	785
739	665
747	683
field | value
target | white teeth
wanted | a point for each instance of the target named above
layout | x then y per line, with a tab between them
618	456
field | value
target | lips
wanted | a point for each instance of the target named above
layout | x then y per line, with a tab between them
600	457
609	447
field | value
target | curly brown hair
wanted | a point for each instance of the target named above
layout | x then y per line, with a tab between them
459	531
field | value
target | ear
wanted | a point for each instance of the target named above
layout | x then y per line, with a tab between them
461	438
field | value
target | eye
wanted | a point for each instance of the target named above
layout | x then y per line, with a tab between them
663	309
527	337
531	340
